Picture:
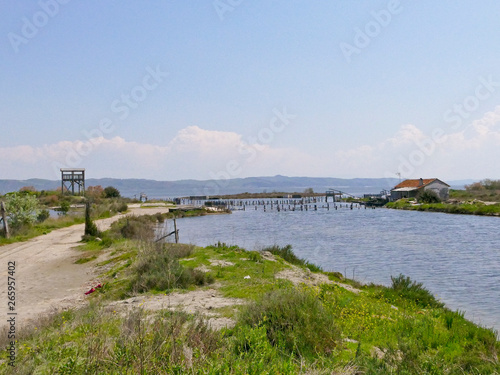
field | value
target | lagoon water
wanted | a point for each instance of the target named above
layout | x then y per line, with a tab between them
457	257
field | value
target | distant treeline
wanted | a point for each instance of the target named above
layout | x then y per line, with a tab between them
486	184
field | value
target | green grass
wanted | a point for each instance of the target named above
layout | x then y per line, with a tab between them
295	321
157	268
242	263
463	208
484	195
287	330
288	255
404	287
86	259
283	329
39	229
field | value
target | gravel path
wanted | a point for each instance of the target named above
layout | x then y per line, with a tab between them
46	275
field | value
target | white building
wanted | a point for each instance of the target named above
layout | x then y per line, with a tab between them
410	188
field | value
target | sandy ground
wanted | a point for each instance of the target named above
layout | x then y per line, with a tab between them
202	302
46	276
298	276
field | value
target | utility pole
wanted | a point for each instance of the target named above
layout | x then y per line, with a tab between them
176	232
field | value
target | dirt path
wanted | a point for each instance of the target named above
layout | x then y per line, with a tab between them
45	273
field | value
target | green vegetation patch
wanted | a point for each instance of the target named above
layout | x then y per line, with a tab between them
157	268
284	329
240	273
295	320
462	208
288	255
404	287
25	233
86	259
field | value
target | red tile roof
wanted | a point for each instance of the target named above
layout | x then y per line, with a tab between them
414	183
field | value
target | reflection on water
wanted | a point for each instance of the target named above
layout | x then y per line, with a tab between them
457	257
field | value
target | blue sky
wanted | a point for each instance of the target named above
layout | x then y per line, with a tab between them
235	88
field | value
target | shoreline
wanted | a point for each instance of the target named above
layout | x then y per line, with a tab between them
237	291
492	210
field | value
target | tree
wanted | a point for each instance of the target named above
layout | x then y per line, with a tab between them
64	207
30	189
476	186
309	191
111	192
22	209
43	215
90	227
94	192
491	184
486	184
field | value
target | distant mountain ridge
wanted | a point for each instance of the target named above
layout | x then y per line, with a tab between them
170	189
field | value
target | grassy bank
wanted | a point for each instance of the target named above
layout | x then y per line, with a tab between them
477	208
104	208
28	232
285	318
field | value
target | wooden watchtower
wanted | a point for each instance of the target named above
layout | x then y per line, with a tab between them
71	178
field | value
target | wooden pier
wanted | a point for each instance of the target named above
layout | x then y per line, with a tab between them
313	203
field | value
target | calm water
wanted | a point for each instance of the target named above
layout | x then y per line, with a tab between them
457	257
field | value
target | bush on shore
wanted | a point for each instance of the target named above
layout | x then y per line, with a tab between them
157	268
295	320
288	255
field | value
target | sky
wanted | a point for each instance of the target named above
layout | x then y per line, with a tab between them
218	89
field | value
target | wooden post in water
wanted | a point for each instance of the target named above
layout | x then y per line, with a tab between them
4	219
176	231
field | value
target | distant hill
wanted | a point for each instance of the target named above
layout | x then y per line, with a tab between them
170	189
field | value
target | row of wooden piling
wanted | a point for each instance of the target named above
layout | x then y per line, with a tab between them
298	207
287	204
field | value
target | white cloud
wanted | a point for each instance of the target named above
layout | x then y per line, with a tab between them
198	153
471	152
193	153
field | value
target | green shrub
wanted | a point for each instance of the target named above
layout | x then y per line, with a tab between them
43	215
111	192
139	228
64	207
158	268
123	207
22	209
90	227
404	287
428	196
254	256
295	320
288	255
